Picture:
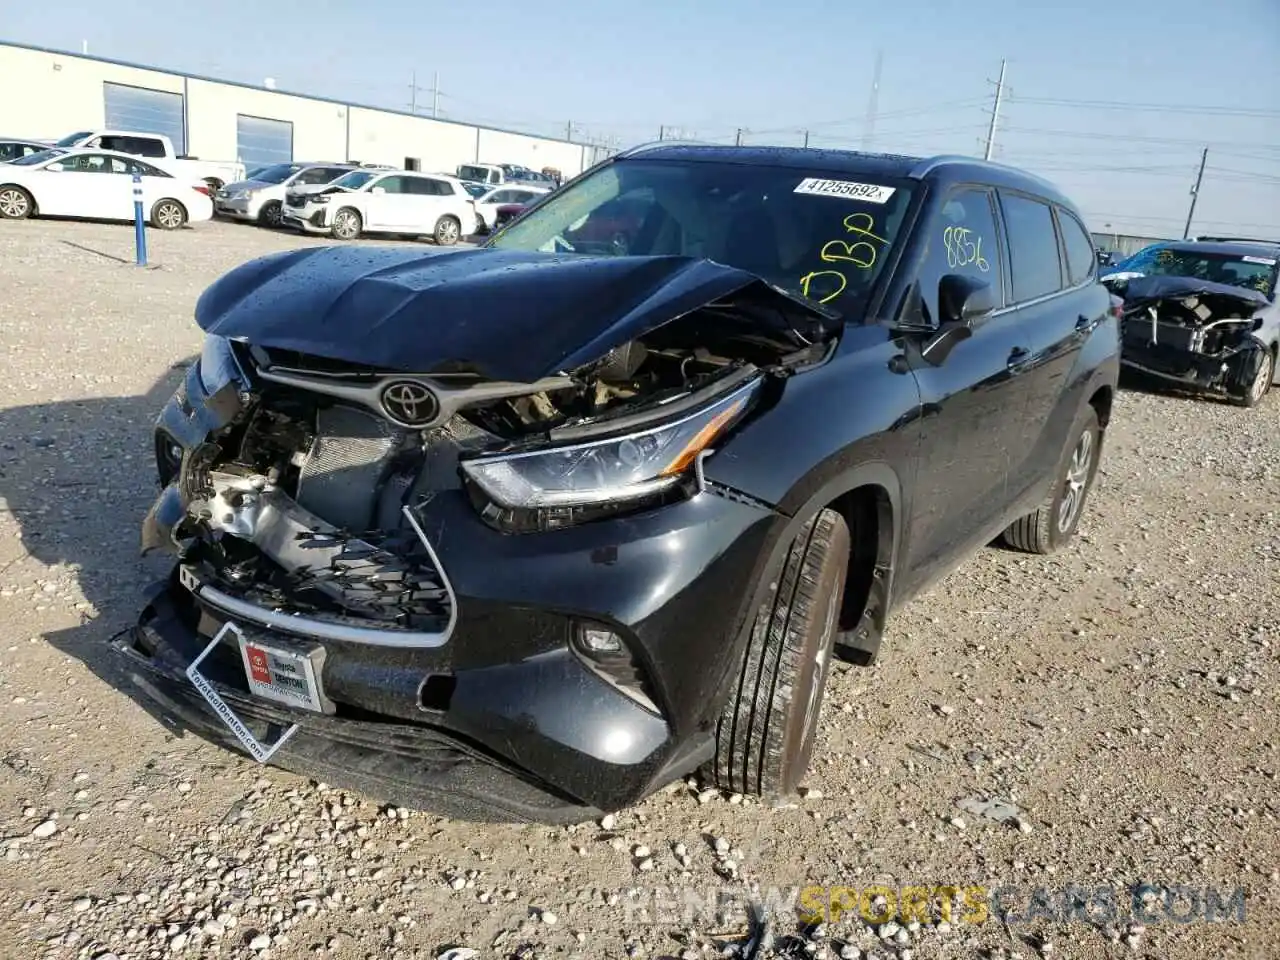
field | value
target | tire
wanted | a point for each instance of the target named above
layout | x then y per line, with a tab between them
168	215
347	224
15	203
1250	376
447	231
271	214
1054	522
765	735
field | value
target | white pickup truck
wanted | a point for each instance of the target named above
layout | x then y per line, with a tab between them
159	150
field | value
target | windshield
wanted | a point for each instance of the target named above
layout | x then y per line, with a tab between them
71	139
1236	270
825	239
355	179
276	173
476	189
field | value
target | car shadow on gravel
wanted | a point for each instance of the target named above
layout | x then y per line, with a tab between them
78	476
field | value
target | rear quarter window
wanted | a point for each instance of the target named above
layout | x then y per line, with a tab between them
1081	258
1034	263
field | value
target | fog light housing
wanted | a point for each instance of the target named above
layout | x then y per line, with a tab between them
599	640
605	653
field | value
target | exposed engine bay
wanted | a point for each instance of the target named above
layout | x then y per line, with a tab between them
1197	332
302	498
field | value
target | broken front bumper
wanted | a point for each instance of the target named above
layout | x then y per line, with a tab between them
504	682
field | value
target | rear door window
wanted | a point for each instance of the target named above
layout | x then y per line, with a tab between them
1034	263
1081	258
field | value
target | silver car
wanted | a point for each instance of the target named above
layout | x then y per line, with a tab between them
1203	314
261	197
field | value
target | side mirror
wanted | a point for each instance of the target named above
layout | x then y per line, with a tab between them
964	299
963	302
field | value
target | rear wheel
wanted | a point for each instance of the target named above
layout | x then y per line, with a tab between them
15	203
168	215
347	224
271	214
765	736
448	229
1054	522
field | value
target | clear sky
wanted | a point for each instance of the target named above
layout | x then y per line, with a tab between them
1112	101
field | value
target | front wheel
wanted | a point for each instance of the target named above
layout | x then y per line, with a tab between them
1250	375
347	224
1054	522
15	203
765	735
168	215
271	214
447	231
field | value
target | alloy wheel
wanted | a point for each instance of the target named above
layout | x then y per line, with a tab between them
169	216
14	204
447	231
1077	479
344	225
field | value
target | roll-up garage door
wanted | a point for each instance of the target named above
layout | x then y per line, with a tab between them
260	141
140	110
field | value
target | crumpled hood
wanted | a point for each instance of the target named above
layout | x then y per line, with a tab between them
504	315
1145	289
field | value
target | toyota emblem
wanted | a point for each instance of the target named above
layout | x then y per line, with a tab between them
409	403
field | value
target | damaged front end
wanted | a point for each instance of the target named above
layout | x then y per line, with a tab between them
1196	333
391	517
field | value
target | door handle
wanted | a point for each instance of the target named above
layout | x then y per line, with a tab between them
1083	322
1017	355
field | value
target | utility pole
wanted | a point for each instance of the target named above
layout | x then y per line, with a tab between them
413	92
995	114
1195	192
568	131
872	104
435	94
806	138
737	141
662	132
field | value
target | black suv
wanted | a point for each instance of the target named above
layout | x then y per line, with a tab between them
530	530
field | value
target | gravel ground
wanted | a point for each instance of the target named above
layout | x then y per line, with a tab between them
1122	695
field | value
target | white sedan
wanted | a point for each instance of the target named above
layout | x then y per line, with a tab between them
98	184
487	204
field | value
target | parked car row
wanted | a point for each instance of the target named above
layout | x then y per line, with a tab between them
339	198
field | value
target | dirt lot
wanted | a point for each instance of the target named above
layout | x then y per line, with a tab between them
1122	695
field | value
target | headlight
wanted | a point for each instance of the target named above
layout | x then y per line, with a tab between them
626	468
317	198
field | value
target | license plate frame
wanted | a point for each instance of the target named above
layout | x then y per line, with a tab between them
258	658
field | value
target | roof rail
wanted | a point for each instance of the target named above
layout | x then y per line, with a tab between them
659	144
929	164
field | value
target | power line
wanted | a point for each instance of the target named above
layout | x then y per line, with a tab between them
1228	111
1094	135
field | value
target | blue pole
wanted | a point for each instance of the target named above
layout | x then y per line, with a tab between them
139	223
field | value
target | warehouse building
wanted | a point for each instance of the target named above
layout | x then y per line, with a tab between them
220	120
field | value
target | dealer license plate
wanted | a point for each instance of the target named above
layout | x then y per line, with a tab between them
285	676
